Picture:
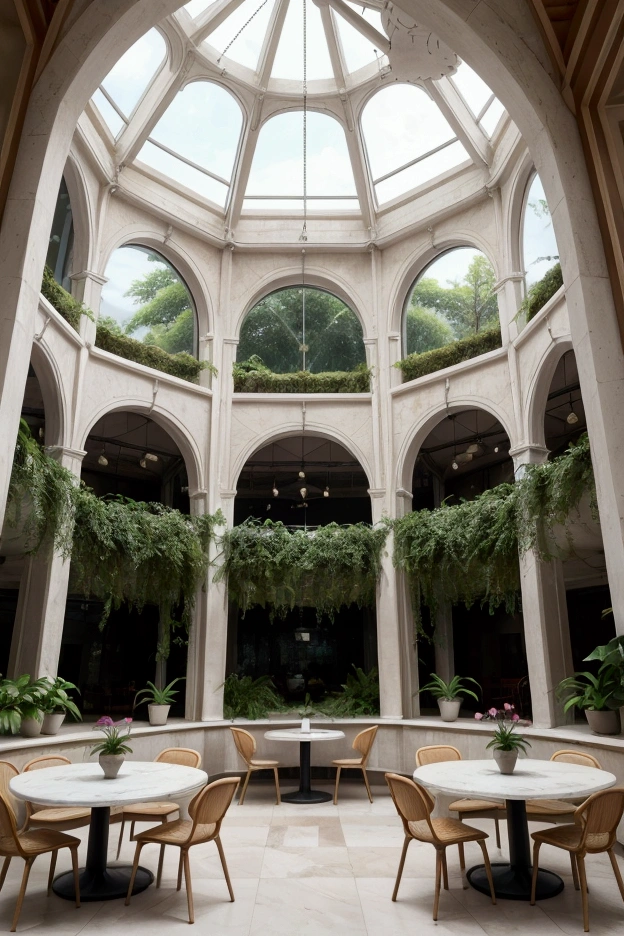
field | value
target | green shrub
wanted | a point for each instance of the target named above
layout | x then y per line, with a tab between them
359	696
417	365
181	365
244	697
63	302
253	376
540	292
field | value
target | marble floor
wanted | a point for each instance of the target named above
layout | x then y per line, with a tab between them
312	871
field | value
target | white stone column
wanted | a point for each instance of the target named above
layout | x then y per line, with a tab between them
545	616
88	289
40	615
389	643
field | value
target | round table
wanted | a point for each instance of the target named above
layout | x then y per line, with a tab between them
304	794
85	785
531	779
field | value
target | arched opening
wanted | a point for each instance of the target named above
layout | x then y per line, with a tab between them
61	243
538	242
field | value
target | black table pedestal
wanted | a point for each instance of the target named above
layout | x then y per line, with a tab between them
97	881
304	794
512	880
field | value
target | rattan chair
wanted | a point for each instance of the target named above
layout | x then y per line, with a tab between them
7	772
246	747
593	831
474	808
414	805
207	810
363	743
61	818
29	845
558	811
158	812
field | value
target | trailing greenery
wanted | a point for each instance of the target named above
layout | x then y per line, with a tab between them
451	690
359	696
63	302
182	364
417	365
540	292
253	376
268	565
244	697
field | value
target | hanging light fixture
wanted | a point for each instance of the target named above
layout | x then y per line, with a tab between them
151	457
454	464
275	490
102	459
142	463
326	491
571	418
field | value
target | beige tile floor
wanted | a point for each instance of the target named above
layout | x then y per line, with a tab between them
312	871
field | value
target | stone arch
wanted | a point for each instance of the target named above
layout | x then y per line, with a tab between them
516	207
82	214
56	404
539	387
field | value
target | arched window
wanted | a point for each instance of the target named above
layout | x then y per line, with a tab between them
126	82
242	32
485	106
323	335
61	243
196	140
276	178
146	298
408	140
539	245
451	299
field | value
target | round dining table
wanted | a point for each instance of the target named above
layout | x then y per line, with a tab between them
531	779
85	785
304	794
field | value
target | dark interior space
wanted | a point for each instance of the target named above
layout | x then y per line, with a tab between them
8	607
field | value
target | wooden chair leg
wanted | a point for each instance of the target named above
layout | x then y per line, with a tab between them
53	857
574	871
244	790
536	848
161	858
74	858
616	871
189	887
488	871
444	869
438	875
401	864
277	789
462	857
121	832
134	871
132	830
368	789
497	829
580	860
338	769
225	867
20	897
3	873
180	866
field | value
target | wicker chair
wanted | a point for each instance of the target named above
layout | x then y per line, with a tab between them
61	818
246	747
593	831
29	845
558	811
363	743
474	808
414	805
20	814
207	811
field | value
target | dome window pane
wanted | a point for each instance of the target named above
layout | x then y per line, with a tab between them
196	7
483	103
289	56
430	167
539	245
357	50
246	47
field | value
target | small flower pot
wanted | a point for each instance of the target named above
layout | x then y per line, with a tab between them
505	760
30	727
305	725
110	764
606	722
158	713
449	708
52	721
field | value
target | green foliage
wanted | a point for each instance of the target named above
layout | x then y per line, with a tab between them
63	302
417	365
181	365
451	690
20	698
268	565
155	696
274	330
585	690
56	697
165	307
540	292
505	739
469	306
244	697
116	735
360	696
425	330
253	376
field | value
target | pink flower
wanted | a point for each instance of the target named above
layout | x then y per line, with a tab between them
125	721
508	707
515	717
478	716
105	720
493	712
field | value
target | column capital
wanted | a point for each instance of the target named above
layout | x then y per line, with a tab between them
529	454
88	274
200	492
510	278
64	451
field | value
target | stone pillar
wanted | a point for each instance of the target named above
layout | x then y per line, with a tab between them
545	615
389	643
38	628
443	638
88	289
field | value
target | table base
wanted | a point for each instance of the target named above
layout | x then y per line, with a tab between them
306	796
110	884
513	883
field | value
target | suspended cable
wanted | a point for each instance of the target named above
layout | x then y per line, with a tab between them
304	230
242	29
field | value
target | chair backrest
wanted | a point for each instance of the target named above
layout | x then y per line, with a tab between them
600	816
245	743
47	761
576	757
413	803
436	753
9	839
182	756
211	804
7	772
363	742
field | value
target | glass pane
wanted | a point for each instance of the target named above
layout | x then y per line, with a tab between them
61	243
112	119
289	57
296	204
246	48
493	114
539	244
357	49
203	124
129	78
186	175
146	298
473	89
274	331
451	299
400	123
425	170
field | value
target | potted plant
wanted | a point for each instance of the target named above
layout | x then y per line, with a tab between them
507	745
21	705
113	748
450	695
596	695
161	700
56	703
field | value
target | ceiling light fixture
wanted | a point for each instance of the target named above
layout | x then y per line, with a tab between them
102	459
326	491
142	463
303	491
150	457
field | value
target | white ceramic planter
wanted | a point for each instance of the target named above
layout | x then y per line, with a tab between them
305	725
605	723
449	708
505	760
110	764
52	721
158	713
30	727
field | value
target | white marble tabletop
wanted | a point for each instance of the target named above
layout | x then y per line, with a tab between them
85	785
296	734
531	779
